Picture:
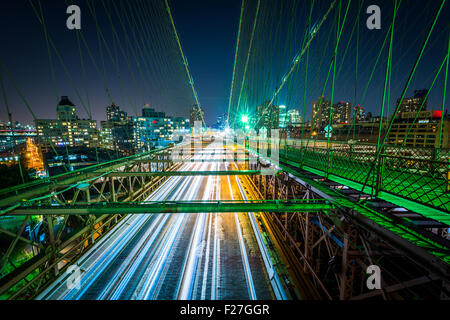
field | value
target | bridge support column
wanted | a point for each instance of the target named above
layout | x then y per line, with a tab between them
275	187
265	186
130	189
349	264
309	240
52	248
113	190
259	177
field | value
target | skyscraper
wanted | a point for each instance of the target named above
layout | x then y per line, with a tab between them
342	112
283	118
359	113
268	117
320	115
196	114
294	118
117	132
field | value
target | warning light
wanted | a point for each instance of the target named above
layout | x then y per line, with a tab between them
437	114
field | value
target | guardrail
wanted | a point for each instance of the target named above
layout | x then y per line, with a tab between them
421	175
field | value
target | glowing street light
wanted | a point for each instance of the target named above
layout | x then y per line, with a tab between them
244	119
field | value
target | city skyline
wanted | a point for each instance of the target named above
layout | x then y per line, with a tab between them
210	68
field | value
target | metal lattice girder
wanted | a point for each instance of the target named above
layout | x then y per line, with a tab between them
42	261
179	159
184	173
430	253
157	207
15	194
197	153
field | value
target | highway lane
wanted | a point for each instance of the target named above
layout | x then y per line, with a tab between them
175	256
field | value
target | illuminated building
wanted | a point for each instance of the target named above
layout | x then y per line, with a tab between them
67	129
270	116
342	112
424	132
181	124
16	134
114	113
116	133
320	114
8	158
413	104
154	129
362	132
283	119
294	118
359	114
117	136
196	114
129	135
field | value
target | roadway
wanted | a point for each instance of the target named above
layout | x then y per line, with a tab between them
176	256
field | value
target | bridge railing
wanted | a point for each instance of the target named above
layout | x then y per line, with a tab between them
418	174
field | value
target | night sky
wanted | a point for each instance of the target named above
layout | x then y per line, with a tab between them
152	72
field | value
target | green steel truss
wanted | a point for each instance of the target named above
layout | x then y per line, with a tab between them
161	207
374	220
183	173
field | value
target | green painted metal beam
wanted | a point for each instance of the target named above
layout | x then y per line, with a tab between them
158	207
195	152
184	173
197	160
